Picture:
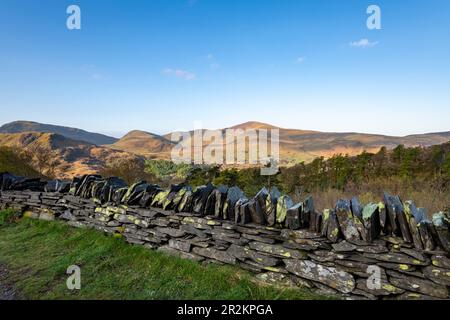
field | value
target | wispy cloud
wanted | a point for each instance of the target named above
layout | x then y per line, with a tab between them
363	43
300	60
178	73
213	64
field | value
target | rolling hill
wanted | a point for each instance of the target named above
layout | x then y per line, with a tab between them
81	155
75	157
146	144
71	133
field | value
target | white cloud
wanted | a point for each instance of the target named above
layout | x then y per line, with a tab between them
182	74
300	60
363	43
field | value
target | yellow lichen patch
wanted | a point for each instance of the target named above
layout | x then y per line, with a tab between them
404	267
389	287
28	214
335	232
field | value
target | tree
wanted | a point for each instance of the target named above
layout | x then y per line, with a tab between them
130	169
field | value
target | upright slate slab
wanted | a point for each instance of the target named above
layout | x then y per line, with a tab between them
271	206
346	220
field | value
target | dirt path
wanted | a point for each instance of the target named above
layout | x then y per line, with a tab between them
7	291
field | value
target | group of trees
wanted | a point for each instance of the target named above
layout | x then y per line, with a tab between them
413	166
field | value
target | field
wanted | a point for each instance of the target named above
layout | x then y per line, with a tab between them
38	253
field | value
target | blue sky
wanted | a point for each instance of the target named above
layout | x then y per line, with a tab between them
161	65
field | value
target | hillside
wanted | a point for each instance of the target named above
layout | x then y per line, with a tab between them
306	145
71	133
295	145
145	144
74	157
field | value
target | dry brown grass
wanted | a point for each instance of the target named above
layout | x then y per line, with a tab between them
424	195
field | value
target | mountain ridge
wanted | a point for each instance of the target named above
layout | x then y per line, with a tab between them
69	132
295	145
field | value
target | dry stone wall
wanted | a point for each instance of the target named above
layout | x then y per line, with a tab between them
388	250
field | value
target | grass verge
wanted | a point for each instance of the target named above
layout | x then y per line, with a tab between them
38	253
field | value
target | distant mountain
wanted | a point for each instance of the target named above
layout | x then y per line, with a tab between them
76	157
295	145
71	133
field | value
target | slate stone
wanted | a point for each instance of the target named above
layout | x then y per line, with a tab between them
259	238
242	212
385	288
371	221
215	254
175	233
243	253
180	254
437	275
372	249
220	195
180	245
414	217
440	261
426	229
325	221
419	285
304	245
284	203
233	195
256	212
185	203
339	280
333	230
415	254
299	234
343	246
396	258
271	206
414	296
441	223
404	268
346	220
277	250
326	256
293	217
353	267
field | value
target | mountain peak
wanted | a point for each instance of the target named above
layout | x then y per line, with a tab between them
68	132
254	125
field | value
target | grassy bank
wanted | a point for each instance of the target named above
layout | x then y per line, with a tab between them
37	255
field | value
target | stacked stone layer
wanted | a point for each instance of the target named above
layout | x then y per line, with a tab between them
335	251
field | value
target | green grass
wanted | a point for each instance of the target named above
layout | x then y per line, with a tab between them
38	253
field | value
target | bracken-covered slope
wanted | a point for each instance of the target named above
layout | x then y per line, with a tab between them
72	133
75	157
145	144
295	145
